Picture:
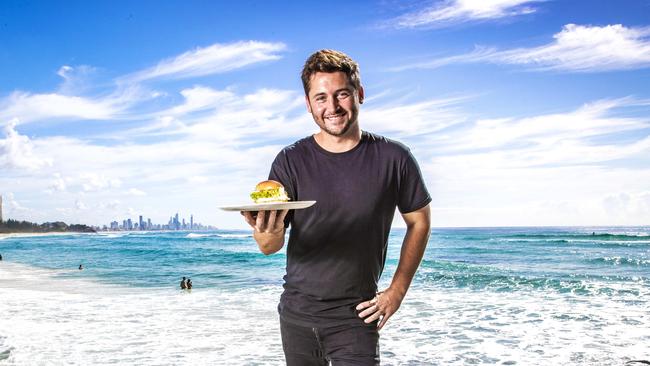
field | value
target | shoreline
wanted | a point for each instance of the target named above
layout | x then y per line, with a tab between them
98	233
48	233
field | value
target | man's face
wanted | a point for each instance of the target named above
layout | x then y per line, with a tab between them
333	102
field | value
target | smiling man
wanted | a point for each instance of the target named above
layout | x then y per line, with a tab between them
330	310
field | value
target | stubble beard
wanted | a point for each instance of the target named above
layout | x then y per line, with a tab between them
339	133
336	133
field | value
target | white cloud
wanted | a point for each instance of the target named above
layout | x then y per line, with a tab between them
136	192
80	205
198	179
200	98
98	181
111	205
77	79
551	169
423	117
233	119
16	151
587	48
577	48
64	71
485	169
10	204
451	12
217	58
58	183
478	55
32	107
68	104
593	119
623	204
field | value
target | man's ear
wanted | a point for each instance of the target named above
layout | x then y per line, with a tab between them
307	103
361	94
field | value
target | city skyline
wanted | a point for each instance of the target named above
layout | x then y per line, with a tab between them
519	112
175	223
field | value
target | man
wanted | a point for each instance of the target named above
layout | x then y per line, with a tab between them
330	309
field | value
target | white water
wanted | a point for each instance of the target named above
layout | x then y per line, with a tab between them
54	321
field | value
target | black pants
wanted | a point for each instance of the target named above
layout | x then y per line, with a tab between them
342	345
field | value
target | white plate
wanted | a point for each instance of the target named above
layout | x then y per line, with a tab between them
291	205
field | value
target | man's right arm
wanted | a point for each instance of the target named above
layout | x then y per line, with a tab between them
268	229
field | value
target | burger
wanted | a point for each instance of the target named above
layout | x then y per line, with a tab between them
269	191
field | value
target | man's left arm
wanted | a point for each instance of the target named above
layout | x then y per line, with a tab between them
386	303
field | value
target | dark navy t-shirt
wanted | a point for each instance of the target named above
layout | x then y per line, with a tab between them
337	248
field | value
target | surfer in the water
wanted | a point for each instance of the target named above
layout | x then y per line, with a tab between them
330	310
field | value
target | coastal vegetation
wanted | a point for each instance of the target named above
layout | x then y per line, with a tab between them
15	226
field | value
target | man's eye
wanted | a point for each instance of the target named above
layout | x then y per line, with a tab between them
320	99
343	95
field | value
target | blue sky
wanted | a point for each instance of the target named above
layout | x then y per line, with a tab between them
519	112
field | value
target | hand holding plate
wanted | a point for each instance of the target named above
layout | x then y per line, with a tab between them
266	222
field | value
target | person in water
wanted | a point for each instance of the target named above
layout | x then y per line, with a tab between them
184	284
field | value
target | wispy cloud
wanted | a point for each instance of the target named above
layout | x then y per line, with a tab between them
26	107
577	48
556	139
423	117
69	101
231	118
557	167
451	12
591	120
217	58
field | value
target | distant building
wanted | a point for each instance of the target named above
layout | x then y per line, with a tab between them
0	208
175	223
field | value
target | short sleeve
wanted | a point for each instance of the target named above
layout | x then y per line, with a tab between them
280	172
412	192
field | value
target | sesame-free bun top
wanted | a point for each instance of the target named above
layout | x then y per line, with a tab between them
268	184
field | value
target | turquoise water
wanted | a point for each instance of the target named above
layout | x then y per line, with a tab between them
500	259
529	296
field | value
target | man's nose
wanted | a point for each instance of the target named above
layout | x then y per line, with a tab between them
332	104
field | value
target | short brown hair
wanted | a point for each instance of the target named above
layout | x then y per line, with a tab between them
330	61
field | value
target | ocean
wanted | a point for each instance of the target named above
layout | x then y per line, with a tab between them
482	296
